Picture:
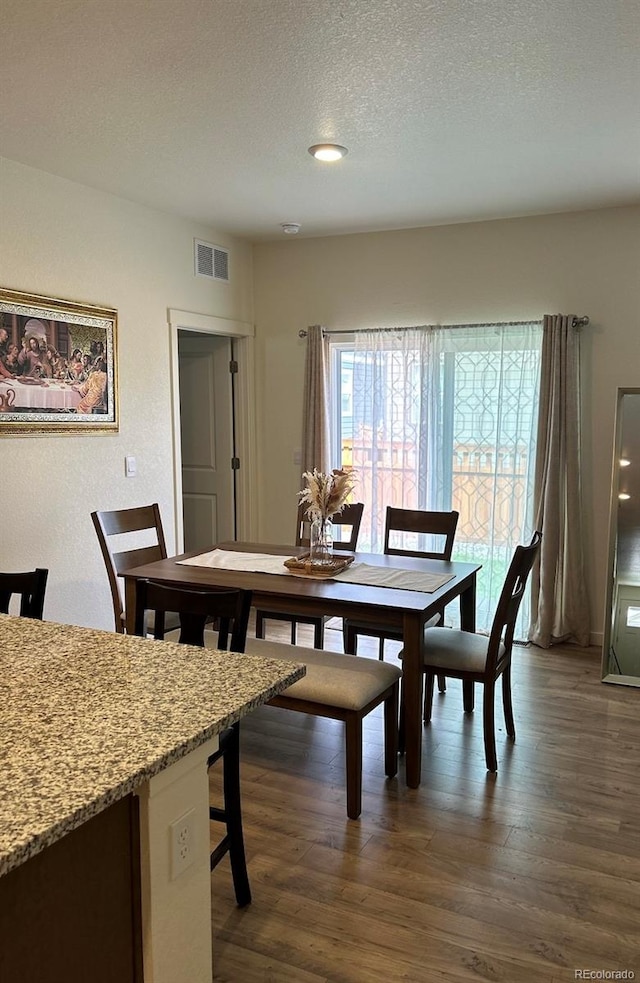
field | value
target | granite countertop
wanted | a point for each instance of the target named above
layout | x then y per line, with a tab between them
87	716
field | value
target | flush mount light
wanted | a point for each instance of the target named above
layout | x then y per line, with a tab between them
624	462
328	151
624	497
291	228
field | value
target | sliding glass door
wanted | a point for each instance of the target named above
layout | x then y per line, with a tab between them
443	418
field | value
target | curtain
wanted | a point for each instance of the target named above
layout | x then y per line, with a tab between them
559	598
446	418
316	452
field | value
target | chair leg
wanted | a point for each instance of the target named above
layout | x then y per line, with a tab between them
489	726
353	736
442	683
293	632
233	810
381	650
468	696
259	625
318	633
428	697
350	637
391	732
158	625
401	730
507	704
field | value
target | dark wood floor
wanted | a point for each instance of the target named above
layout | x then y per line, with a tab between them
521	877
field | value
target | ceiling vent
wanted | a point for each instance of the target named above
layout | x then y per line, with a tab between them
211	261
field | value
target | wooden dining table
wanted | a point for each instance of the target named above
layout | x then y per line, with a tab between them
384	606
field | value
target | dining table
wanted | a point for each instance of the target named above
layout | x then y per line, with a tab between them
394	591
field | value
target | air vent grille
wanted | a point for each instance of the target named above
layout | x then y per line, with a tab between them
211	261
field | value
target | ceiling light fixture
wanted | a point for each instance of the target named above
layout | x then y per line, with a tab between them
624	497
328	151
291	228
624	462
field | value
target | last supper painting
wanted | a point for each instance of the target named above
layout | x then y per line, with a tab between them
58	370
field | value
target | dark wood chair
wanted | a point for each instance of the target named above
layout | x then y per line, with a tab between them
229	610
477	659
349	519
31	587
436	530
126	527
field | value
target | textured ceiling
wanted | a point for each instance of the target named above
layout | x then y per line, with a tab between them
452	110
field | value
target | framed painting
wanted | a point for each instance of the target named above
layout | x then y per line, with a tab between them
58	366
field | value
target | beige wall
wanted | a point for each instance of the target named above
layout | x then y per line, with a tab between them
64	240
584	263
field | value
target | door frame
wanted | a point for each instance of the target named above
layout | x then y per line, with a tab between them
243	334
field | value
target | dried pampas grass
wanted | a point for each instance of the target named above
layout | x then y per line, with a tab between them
326	494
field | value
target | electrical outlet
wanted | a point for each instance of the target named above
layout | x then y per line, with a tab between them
181	836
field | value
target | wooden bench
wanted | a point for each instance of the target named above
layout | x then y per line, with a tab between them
342	687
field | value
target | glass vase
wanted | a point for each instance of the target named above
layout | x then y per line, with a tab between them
321	541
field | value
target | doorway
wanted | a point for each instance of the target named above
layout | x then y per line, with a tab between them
207	435
205	342
625	645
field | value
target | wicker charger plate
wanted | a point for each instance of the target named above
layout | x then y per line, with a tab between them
302	566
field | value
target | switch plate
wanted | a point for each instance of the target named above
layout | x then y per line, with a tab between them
297	456
181	837
130	467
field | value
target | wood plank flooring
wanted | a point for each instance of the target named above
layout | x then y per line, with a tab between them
523	877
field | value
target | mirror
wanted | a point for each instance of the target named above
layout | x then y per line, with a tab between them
621	648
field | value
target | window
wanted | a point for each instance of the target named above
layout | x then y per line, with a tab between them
633	617
443	418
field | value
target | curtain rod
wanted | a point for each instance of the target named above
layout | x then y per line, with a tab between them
578	322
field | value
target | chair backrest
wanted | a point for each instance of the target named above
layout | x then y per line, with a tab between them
504	621
350	518
31	586
419	523
122	523
228	609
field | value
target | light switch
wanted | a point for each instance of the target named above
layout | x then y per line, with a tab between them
297	456
130	467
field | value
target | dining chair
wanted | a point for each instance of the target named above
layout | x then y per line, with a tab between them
341	687
229	611
480	659
119	533
31	587
436	530
347	524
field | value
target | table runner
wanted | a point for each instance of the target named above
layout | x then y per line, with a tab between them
236	560
372	576
358	573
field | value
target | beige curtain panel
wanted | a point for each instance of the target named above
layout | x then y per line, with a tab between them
316	451
560	608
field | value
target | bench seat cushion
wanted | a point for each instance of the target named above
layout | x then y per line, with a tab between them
344	681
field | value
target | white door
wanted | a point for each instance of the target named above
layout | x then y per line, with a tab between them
626	631
206	426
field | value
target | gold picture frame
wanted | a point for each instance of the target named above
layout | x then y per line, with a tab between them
58	366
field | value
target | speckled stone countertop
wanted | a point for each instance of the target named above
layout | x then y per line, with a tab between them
87	716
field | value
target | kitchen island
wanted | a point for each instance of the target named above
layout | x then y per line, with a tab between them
104	741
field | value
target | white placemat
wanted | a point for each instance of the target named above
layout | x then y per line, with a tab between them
366	573
236	560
